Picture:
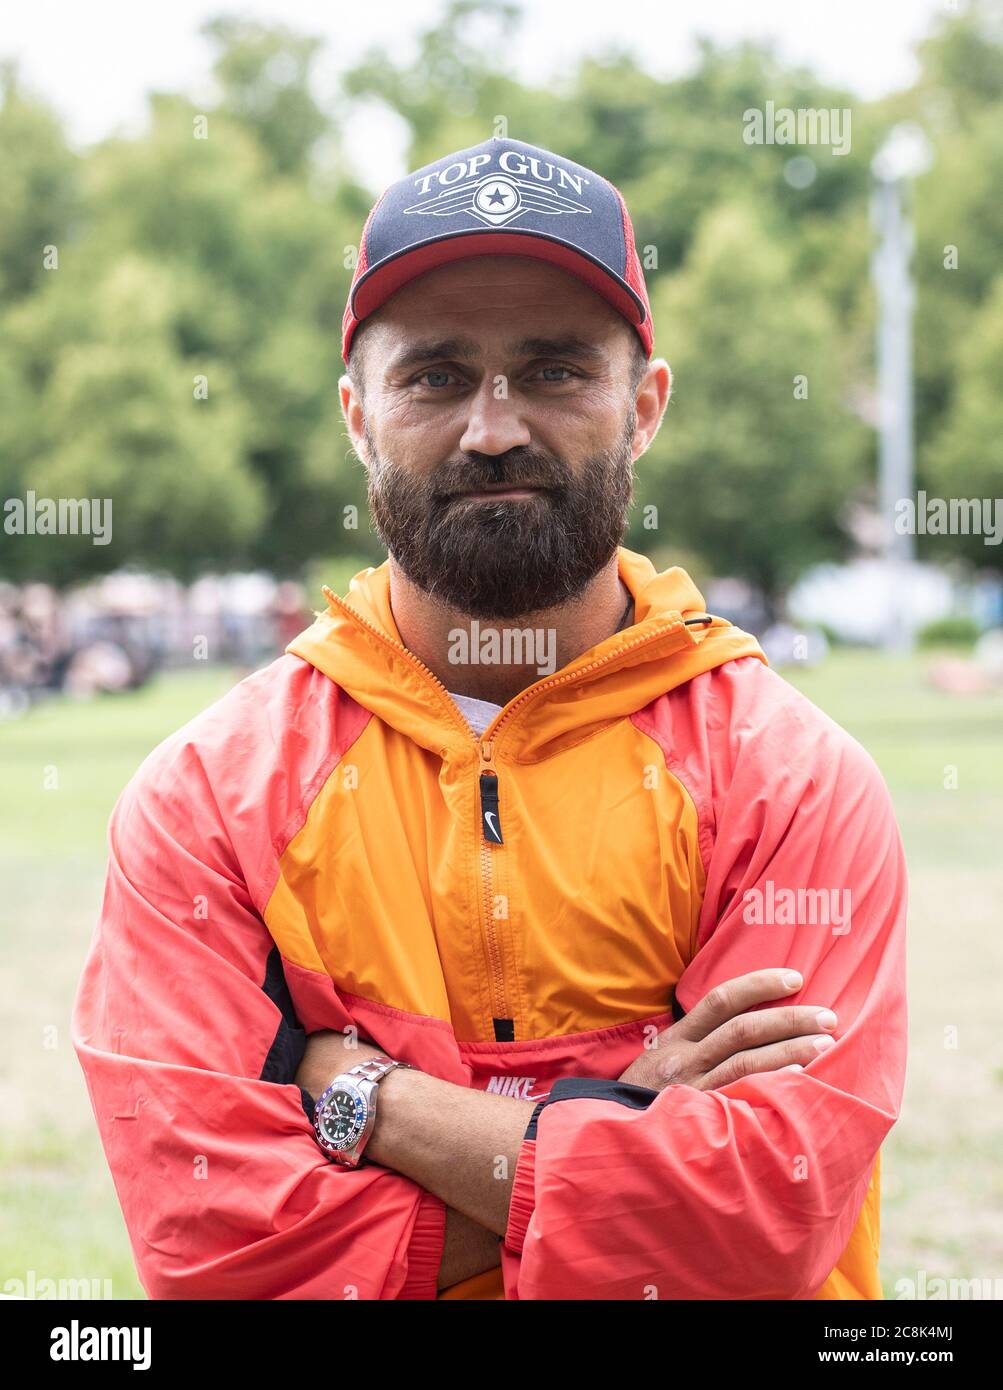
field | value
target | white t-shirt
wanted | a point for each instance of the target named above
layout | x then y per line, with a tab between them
478	713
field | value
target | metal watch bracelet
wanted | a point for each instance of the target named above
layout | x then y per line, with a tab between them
375	1069
364	1078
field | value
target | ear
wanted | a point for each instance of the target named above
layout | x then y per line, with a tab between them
351	409
653	392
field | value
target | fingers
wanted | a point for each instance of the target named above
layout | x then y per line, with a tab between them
793	1051
756	1030
734	997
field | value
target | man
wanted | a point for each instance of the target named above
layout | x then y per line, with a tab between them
445	956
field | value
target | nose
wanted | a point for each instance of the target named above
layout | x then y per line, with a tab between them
494	421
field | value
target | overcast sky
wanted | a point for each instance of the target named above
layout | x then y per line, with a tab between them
95	61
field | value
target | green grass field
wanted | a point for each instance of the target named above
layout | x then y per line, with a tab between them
942	1212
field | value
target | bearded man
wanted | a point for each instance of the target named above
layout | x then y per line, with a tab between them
474	978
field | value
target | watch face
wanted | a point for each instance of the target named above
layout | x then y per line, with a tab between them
342	1117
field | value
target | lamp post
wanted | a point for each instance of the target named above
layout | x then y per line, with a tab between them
904	154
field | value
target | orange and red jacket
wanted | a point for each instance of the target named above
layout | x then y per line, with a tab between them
311	853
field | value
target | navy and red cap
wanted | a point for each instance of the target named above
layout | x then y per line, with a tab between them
500	198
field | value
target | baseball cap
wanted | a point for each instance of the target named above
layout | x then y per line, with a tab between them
500	198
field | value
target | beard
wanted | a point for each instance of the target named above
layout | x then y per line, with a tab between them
505	558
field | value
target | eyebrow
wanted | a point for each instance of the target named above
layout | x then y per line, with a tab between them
465	349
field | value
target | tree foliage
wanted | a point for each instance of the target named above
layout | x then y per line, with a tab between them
180	352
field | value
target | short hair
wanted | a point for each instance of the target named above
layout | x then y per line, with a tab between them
638	361
357	361
356	364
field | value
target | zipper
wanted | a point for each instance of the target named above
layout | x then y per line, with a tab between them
502	1020
455	714
489	817
487	780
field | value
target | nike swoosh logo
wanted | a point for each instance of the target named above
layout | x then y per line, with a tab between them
489	815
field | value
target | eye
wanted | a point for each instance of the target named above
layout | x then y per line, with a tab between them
556	367
439	378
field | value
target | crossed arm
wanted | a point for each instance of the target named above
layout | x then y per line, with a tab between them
463	1145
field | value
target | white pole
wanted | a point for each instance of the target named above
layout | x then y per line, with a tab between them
904	153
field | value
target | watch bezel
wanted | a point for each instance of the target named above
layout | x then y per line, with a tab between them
350	1087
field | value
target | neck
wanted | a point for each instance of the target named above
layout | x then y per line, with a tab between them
466	667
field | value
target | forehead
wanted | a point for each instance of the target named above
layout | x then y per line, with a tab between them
496	300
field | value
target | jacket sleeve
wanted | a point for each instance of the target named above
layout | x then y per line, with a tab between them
750	1191
189	1045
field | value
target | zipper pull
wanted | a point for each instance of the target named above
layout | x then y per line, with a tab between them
490	821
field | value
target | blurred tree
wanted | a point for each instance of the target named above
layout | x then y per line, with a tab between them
217	247
457	83
959	217
758	454
962	61
239	277
118	418
39	186
964	459
958	212
264	73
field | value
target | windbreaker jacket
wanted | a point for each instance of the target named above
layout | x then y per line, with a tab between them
317	850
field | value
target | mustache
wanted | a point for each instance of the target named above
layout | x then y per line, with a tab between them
517	468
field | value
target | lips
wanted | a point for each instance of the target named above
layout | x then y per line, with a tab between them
501	489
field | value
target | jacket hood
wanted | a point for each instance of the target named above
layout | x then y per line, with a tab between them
356	644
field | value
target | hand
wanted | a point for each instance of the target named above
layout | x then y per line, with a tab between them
718	1042
326	1054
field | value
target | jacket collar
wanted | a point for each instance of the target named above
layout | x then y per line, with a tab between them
356	643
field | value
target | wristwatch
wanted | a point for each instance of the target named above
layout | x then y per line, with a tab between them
346	1112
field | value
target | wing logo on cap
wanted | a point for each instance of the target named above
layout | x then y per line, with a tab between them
496	200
